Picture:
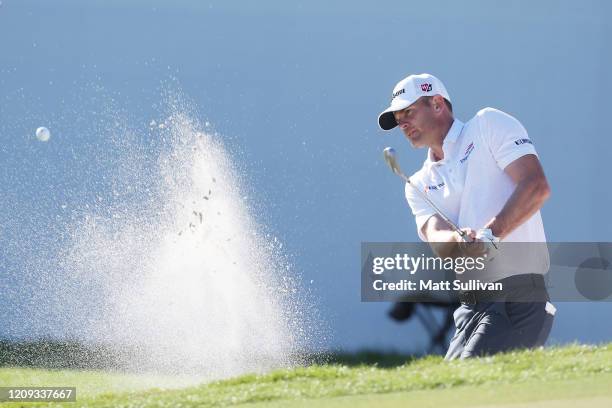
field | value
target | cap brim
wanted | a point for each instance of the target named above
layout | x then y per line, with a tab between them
386	120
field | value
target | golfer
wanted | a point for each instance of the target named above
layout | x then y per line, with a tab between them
486	177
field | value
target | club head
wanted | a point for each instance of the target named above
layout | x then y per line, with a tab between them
390	158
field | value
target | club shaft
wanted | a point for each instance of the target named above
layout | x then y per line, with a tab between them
431	203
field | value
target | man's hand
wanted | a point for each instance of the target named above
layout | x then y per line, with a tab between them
479	243
472	245
448	243
445	242
486	235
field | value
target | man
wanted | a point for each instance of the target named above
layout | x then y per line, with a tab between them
486	177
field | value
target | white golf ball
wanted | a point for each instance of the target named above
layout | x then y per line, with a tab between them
43	134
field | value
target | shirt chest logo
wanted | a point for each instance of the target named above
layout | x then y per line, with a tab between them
467	153
435	186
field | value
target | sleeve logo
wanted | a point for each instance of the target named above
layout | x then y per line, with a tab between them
522	141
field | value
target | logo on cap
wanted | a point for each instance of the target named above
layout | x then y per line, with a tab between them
426	87
401	91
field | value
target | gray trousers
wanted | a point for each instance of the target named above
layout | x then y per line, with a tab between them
491	327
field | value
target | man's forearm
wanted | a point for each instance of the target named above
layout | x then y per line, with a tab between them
527	198
443	243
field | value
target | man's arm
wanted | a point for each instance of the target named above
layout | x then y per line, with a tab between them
531	191
442	239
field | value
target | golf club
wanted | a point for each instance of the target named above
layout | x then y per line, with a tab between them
390	158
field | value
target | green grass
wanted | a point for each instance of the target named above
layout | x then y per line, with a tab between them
588	392
573	374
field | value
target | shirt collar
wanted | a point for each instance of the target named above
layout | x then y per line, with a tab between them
449	141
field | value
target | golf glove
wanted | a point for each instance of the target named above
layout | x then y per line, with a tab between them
492	242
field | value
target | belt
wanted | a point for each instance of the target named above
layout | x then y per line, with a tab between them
509	284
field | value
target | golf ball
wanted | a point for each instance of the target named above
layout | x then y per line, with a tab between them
43	134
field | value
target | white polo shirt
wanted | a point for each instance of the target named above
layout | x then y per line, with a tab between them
470	186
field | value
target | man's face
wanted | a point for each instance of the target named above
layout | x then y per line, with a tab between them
417	122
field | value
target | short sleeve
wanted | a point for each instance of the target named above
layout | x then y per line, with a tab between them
505	135
420	209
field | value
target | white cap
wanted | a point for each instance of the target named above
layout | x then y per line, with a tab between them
406	92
